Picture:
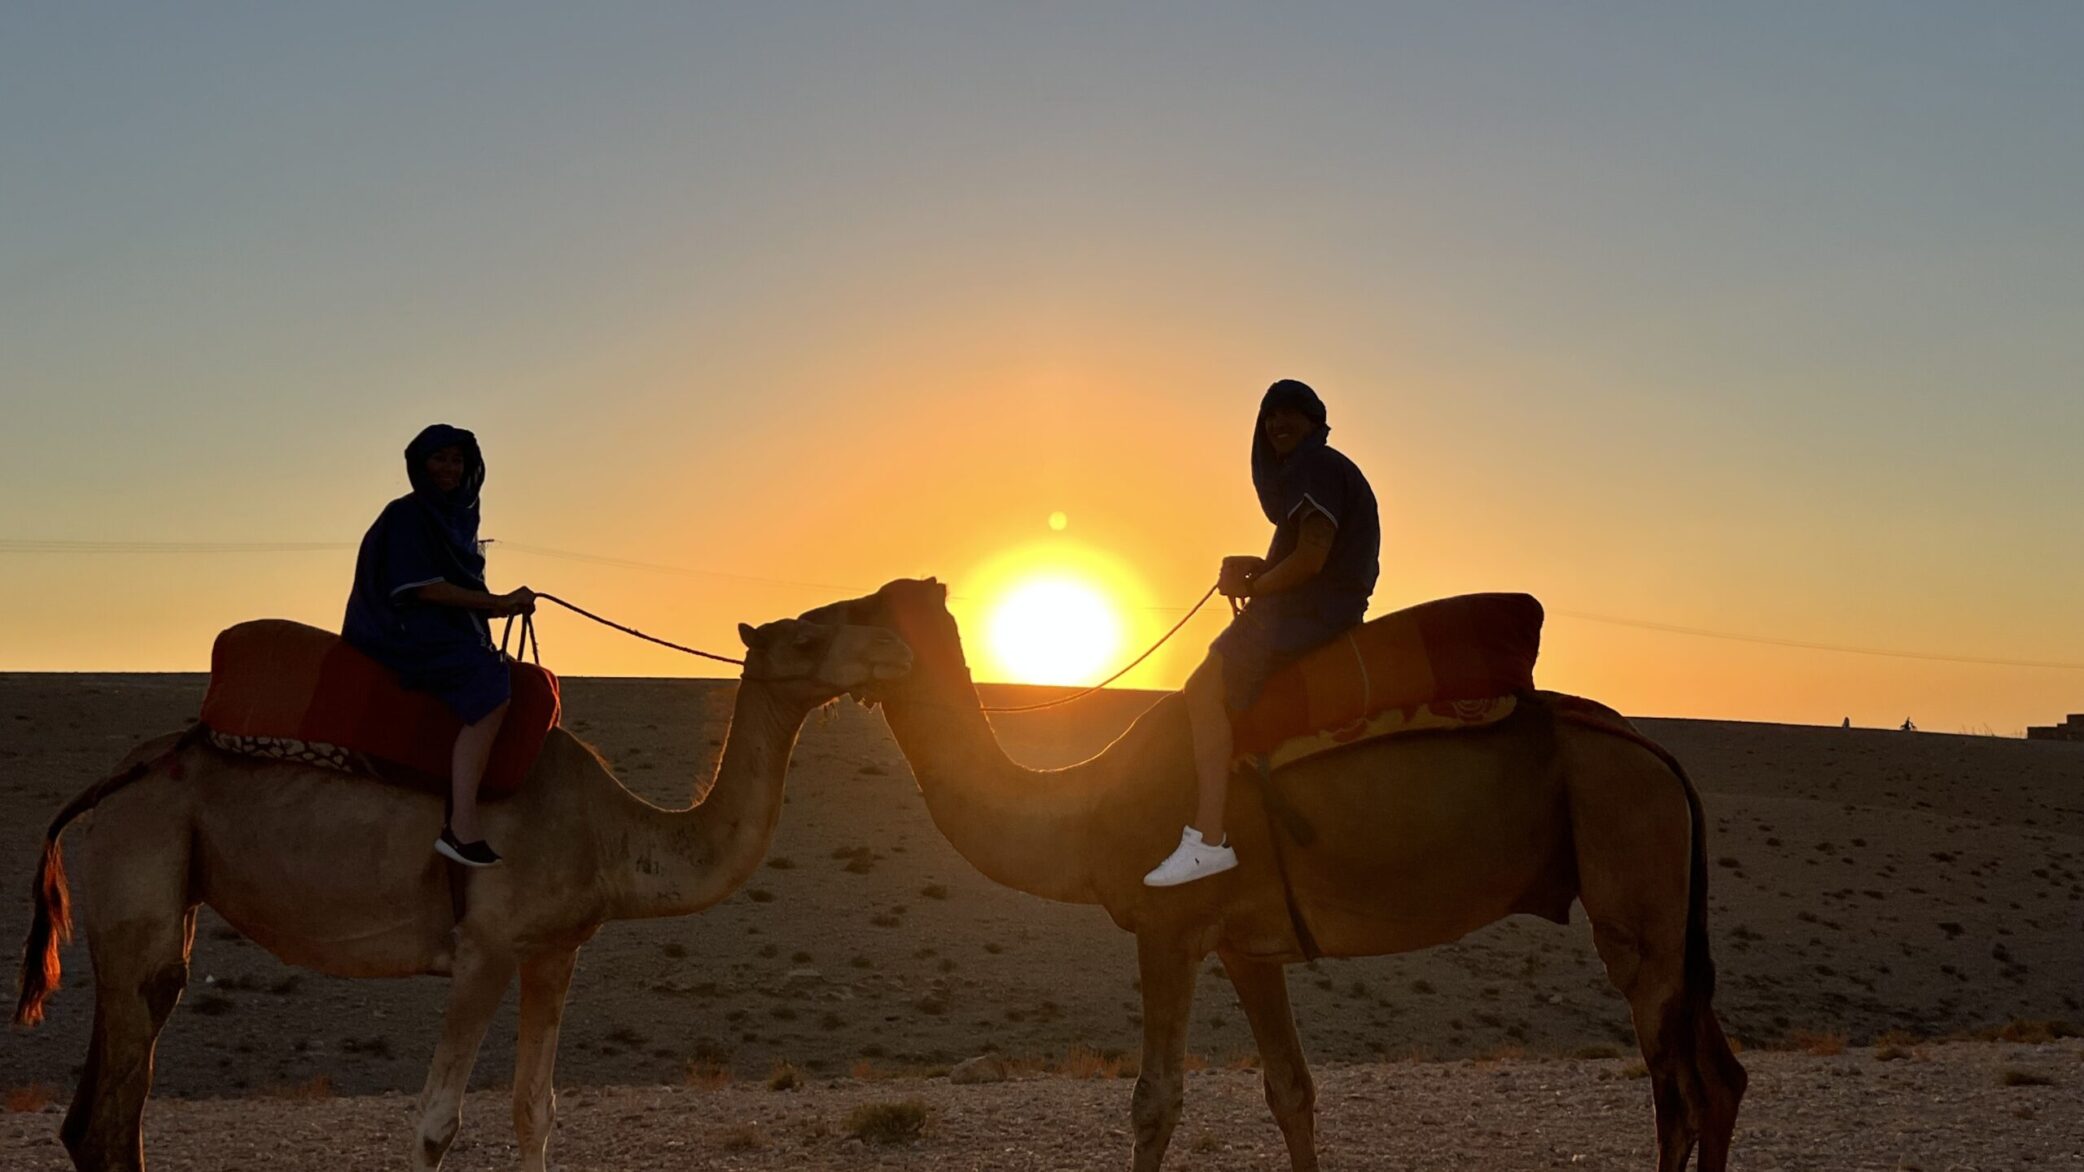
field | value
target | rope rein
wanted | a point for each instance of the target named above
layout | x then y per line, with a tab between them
534	649
667	643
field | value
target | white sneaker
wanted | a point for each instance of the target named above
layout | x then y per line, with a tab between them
1193	860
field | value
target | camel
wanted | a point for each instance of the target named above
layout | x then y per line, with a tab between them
1387	846
337	874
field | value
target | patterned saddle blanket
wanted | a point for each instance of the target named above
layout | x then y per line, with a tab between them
1454	663
285	690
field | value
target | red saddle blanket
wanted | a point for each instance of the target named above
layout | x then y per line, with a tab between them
278	680
1469	647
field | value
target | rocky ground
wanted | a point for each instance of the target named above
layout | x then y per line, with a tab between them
1953	1108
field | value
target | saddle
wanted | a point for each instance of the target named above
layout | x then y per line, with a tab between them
284	690
1454	663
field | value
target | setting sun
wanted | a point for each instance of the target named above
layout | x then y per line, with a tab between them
1055	630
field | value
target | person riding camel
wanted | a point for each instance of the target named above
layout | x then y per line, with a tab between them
420	607
1313	584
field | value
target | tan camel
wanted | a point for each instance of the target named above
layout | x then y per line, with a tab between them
1390	846
337	874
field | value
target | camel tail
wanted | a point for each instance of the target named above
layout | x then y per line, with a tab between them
1700	965
50	920
50	928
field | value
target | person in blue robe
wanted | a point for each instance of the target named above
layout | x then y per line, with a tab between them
1313	584
420	607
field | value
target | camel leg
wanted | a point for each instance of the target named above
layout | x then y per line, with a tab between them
544	980
141	936
478	982
1262	990
1166	966
1634	838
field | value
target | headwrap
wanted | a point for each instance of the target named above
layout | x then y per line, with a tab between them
452	515
1268	465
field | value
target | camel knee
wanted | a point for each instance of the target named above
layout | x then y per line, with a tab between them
1290	1093
1155	1108
438	1127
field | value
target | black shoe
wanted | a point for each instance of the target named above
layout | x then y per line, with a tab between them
470	854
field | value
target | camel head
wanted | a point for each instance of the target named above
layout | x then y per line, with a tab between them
822	660
916	612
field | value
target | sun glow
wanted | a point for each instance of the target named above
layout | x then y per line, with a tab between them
1055	629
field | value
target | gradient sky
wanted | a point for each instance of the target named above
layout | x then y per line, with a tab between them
1761	320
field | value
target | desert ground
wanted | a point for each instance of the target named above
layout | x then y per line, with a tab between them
1867	886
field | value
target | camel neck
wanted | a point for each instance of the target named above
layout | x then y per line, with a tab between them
1024	828
682	861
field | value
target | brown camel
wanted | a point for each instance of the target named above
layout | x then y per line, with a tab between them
1388	846
338	874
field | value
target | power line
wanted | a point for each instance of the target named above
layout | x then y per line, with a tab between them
39	546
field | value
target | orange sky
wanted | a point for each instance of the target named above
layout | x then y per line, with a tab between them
1709	320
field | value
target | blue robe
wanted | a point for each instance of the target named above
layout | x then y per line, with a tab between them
425	537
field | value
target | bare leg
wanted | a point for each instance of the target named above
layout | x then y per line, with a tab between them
1210	723
1262	990
1167	968
467	769
474	992
544	980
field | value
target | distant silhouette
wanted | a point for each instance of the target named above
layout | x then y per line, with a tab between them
1907	726
1847	724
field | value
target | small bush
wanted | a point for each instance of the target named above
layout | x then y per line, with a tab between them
2013	1076
707	1074
888	1123
934	891
24	1100
784	1077
213	1005
781	863
1821	1044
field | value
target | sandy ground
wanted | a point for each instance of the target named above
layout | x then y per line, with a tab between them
1956	1108
1864	881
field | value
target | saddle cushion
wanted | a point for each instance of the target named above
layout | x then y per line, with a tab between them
1472	647
274	681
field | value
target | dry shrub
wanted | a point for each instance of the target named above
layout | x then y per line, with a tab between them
784	1077
1595	1053
1819	1043
2031	1032
1636	1069
1247	1061
24	1100
1506	1053
317	1088
1193	1063
1082	1061
888	1123
708	1074
2014	1076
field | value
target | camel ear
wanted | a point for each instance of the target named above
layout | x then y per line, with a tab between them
748	636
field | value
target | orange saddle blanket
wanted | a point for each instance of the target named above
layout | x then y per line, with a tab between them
274	682
1442	657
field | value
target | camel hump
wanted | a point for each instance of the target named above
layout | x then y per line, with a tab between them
1468	648
276	682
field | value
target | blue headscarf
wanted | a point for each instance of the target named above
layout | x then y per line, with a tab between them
453	515
1269	466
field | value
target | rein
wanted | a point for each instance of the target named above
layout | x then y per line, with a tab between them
534	649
